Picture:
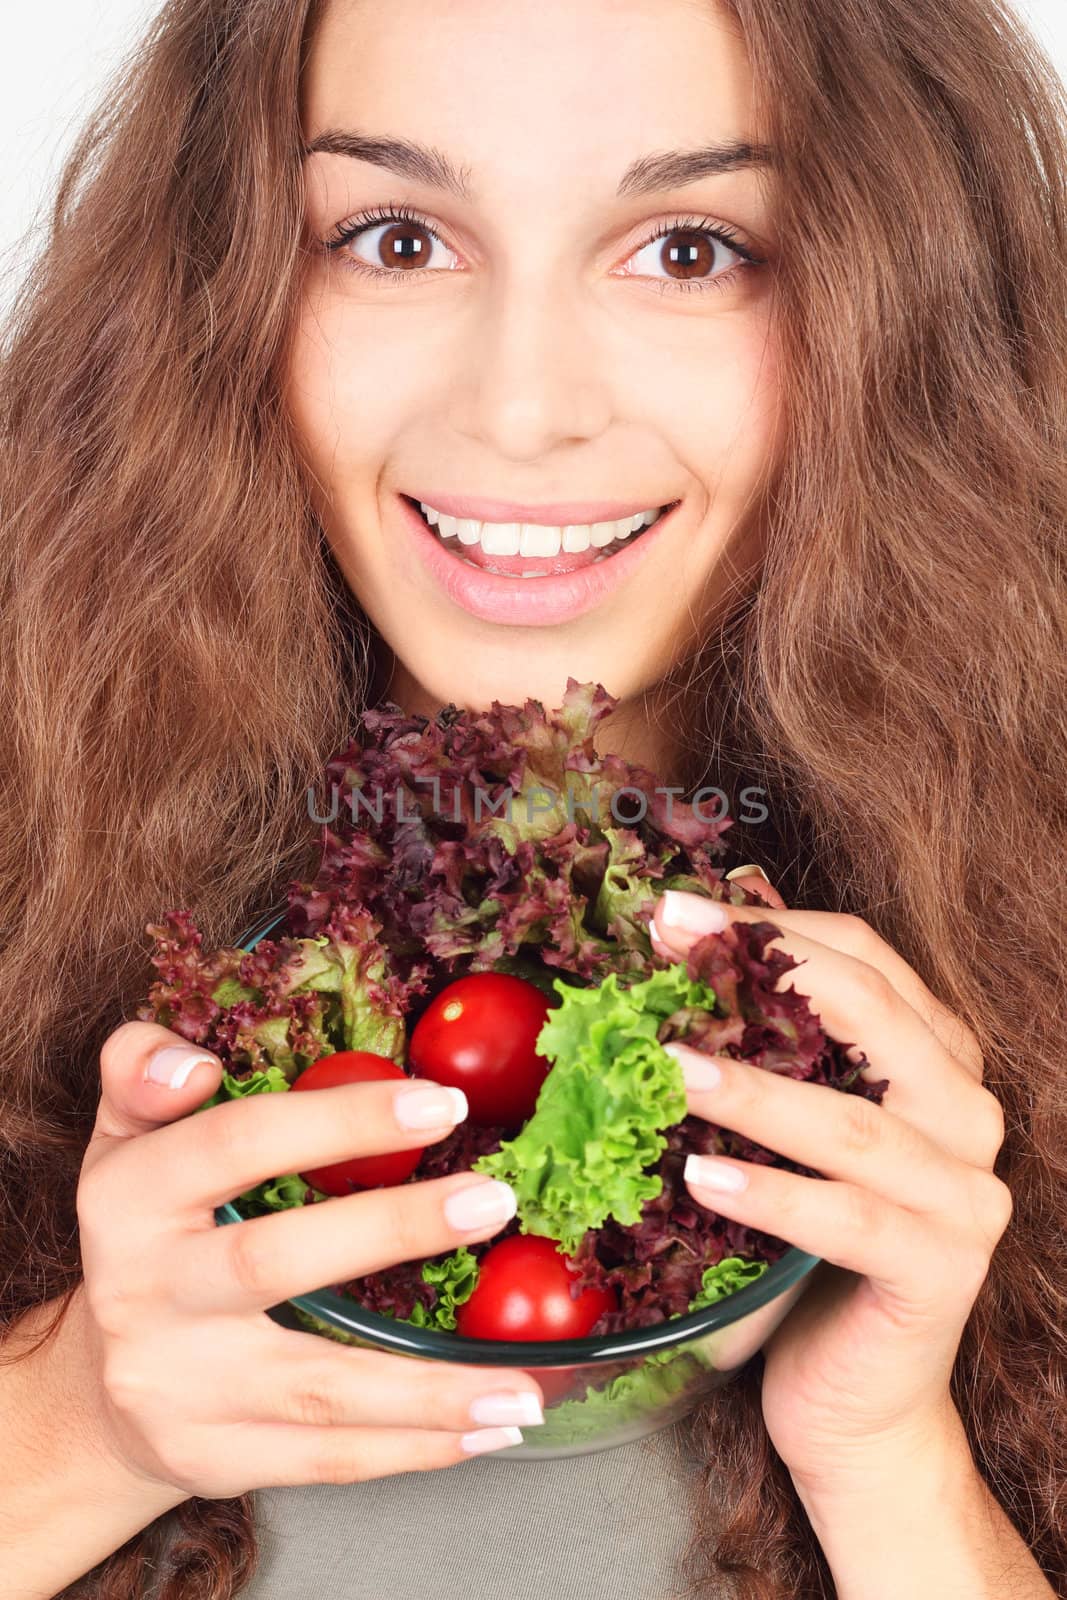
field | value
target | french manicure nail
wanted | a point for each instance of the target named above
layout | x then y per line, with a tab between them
502	1406
482	1205
709	1173
740	872
698	1072
173	1065
429	1106
690	913
489	1439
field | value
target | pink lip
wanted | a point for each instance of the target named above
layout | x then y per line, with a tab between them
557	514
530	602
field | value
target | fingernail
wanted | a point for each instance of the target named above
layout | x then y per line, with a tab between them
740	872
429	1106
501	1406
482	1205
690	913
709	1173
173	1065
698	1072
489	1439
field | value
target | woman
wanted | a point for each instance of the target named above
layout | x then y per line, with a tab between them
836	349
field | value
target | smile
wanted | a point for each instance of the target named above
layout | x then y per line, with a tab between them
534	539
589	562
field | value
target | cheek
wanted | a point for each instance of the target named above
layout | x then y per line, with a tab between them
348	395
729	437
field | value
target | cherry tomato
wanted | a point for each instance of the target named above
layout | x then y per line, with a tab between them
478	1035
524	1292
360	1172
555	1382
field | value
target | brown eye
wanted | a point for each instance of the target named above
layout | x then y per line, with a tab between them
390	244
687	255
404	245
692	257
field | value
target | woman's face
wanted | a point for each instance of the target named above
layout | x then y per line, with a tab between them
530	340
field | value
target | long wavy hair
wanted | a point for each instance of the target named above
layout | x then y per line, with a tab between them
181	655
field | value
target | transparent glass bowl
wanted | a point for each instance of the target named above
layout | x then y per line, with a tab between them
599	1392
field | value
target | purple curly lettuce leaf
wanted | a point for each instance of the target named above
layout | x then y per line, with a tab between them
288	1001
183	995
423	837
772	1028
655	1266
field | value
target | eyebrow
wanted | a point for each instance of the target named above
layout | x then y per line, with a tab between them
649	174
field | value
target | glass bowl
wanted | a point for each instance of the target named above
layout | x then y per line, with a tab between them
599	1392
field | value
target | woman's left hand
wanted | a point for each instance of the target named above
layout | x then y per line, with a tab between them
908	1214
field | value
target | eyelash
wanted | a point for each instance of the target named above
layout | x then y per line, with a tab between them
364	220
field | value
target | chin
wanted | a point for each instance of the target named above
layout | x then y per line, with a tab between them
516	671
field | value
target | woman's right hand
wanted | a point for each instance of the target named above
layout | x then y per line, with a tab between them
203	1392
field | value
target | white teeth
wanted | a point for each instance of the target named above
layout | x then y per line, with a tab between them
500	538
538	540
534	538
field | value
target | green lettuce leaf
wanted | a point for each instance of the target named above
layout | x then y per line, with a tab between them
662	1375
582	1156
276	1194
455	1278
264	1080
726	1277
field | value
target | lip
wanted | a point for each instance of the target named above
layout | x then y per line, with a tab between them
530	602
558	513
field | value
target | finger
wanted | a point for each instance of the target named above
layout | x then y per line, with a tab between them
149	1076
911	1262
283	1455
295	1377
843	1223
755	880
259	1262
857	1005
679	919
750	879
230	1147
843	1136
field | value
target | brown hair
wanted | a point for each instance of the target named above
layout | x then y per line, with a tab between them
896	681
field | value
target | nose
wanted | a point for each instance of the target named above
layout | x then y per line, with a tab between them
530	378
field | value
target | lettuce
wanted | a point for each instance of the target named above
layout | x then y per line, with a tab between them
267	1013
429	879
662	1375
454	1278
584	1154
476	836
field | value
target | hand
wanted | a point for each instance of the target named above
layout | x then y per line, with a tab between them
198	1388
908	1215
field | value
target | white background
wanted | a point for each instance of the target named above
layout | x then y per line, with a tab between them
57	56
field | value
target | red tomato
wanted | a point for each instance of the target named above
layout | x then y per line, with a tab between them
361	1172
555	1382
478	1035
524	1292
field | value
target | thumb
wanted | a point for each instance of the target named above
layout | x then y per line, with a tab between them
755	880
149	1076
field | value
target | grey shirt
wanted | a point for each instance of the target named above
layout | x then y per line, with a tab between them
596	1527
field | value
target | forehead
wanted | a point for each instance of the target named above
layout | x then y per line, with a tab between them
534	93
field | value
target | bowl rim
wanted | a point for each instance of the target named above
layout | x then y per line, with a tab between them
349	1316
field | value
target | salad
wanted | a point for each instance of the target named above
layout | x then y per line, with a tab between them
480	916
